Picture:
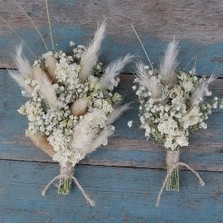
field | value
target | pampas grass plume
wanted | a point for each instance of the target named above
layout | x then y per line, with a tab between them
169	63
90	57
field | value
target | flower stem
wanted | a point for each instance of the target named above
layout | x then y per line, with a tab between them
64	186
173	183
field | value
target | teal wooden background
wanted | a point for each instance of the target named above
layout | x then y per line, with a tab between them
124	178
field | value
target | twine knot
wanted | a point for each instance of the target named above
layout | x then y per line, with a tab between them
66	172
172	160
172	157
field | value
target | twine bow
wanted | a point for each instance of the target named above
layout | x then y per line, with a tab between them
172	160
67	171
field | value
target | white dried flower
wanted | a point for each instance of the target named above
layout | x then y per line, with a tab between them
129	123
172	103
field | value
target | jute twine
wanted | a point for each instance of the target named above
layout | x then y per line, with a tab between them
67	172
172	161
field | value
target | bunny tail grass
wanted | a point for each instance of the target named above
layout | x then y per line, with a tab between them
48	92
198	93
90	57
114	69
42	143
24	70
117	113
169	63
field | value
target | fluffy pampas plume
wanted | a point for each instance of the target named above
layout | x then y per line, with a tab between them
169	64
150	82
114	69
90	57
24	71
199	91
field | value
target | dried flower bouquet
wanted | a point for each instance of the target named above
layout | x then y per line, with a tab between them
173	104
71	104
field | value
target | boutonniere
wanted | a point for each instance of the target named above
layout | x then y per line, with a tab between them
173	105
71	103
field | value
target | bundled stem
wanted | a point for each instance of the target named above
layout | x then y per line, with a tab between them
171	181
172	158
65	180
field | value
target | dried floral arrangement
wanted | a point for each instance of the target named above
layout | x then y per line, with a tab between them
173	104
71	104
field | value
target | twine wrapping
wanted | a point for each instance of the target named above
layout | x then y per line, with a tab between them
172	160
66	172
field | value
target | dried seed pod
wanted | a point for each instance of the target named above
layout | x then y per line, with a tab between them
37	72
41	142
79	107
50	63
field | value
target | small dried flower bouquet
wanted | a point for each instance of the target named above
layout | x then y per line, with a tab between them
72	105
173	105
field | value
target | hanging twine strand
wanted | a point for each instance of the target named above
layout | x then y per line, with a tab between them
172	160
66	172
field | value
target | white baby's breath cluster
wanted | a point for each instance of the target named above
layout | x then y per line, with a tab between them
72	103
172	103
70	134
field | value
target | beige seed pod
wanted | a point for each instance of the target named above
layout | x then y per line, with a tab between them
41	142
79	107
50	63
37	72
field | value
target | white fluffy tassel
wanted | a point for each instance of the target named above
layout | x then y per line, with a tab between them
117	112
90	57
151	83
47	90
101	139
199	91
51	64
169	63
24	70
114	69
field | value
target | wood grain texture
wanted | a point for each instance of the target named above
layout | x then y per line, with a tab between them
122	195
124	177
197	23
127	148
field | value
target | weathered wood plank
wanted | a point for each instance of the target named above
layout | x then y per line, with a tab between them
122	195
198	24
126	148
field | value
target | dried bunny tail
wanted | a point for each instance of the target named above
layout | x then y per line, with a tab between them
199	91
114	69
117	112
100	140
90	57
169	63
21	82
151	83
143	75
41	142
24	70
22	63
47	91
